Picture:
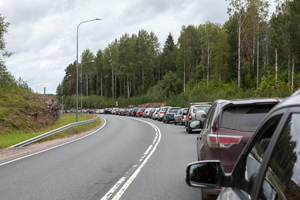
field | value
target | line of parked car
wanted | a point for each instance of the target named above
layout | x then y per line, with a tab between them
225	128
166	114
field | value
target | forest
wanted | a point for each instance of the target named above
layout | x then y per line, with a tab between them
254	53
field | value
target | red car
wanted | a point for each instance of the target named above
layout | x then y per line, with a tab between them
140	112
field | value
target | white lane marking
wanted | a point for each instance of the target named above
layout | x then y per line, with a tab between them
137	171
114	188
55	146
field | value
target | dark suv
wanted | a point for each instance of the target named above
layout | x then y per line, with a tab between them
268	166
228	126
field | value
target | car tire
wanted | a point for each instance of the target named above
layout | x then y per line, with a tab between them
189	130
167	121
175	122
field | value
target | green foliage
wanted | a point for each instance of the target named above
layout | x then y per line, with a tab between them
269	87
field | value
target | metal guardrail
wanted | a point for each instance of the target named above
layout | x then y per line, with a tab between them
37	138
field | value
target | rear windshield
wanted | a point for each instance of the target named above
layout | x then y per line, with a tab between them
204	108
185	111
244	118
174	110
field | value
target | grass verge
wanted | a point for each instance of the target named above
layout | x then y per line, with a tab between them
7	140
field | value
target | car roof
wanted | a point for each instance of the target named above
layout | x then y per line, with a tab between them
200	103
249	101
292	101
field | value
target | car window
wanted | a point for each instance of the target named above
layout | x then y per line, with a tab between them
209	117
284	167
256	155
282	178
185	111
174	110
246	118
204	108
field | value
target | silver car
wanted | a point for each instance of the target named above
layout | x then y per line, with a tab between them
195	107
146	113
161	112
155	114
180	116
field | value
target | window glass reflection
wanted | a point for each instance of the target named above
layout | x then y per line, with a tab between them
284	168
255	158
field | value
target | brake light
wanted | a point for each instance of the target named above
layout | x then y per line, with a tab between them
190	116
182	117
169	115
161	112
222	141
146	111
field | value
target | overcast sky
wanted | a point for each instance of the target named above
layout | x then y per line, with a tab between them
42	34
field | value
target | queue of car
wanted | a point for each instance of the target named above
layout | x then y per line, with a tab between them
242	146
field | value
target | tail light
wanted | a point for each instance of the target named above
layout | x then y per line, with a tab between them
222	141
146	111
182	117
190	116
161	112
169	114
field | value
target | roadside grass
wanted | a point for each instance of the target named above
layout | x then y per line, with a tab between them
7	140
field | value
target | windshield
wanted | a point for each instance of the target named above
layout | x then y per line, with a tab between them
204	108
245	118
174	110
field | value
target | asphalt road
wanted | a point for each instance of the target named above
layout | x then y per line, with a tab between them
128	158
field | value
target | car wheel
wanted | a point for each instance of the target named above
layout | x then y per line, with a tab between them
164	121
167	121
189	130
175	122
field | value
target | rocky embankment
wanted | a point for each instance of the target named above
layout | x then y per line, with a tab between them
48	113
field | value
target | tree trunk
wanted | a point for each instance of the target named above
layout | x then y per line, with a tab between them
276	65
207	70
128	91
112	82
239	45
293	68
101	85
97	86
184	70
289	67
257	57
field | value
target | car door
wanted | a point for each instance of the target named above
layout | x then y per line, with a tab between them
269	167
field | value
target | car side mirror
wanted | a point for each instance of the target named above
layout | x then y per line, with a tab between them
205	174
200	115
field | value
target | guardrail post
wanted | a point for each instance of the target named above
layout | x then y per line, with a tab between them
70	130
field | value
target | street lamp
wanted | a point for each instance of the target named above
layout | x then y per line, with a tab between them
77	64
81	81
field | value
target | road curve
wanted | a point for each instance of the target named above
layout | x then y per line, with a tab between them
84	169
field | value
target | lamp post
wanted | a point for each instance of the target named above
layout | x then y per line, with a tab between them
81	81
77	64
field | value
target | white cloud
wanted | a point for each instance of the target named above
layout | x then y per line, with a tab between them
42	34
